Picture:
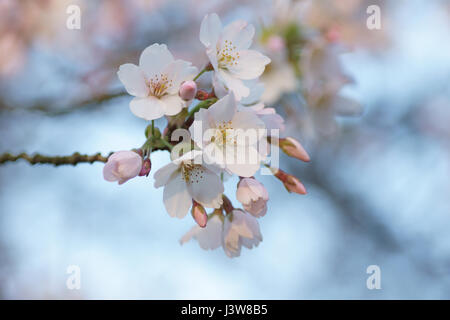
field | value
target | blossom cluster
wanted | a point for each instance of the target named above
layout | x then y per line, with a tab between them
227	131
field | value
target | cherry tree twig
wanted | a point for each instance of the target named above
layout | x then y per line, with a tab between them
72	159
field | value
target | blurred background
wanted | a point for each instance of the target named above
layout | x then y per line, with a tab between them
372	107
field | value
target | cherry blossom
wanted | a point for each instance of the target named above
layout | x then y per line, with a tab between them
184	179
155	83
253	196
222	128
240	229
228	52
209	237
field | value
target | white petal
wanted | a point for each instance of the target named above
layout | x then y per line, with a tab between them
205	187
210	237
133	79
239	33
233	84
177	72
149	108
272	121
246	160
247	120
154	59
163	175
176	196
172	104
250	65
224	109
210	30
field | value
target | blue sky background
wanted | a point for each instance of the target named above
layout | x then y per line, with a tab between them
378	194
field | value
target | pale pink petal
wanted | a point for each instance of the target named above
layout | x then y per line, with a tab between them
176	196
239	34
154	59
250	65
210	30
149	108
172	104
133	80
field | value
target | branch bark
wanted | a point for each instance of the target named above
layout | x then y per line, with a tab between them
73	159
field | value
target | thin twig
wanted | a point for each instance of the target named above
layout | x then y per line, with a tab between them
73	159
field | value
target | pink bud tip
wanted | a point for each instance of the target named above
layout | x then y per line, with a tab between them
293	148
294	185
188	90
146	167
199	214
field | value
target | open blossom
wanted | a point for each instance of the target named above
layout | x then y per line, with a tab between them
155	83
184	179
240	229
122	166
228	51
221	131
271	119
233	231
209	237
253	196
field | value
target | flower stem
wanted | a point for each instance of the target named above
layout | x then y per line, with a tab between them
200	73
166	143
204	104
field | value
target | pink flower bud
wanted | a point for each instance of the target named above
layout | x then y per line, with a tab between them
293	148
276	43
188	90
291	183
122	166
199	214
253	196
146	167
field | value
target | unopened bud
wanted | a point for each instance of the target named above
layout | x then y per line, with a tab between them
199	214
146	167
293	148
291	183
188	90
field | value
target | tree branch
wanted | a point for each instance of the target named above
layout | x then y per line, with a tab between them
73	159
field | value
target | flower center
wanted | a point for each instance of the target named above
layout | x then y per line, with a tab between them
221	136
192	173
227	56
159	85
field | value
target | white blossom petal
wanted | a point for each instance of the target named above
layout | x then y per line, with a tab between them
210	237
154	58
210	30
133	79
148	108
233	84
163	175
177	199
179	71
172	104
239	33
205	187
224	109
250	65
